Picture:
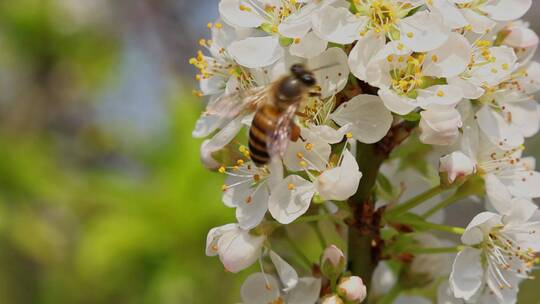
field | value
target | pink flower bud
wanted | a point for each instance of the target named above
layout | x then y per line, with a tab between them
352	289
332	262
332	299
454	166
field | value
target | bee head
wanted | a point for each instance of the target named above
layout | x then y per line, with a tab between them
305	76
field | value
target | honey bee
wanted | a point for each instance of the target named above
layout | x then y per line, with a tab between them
275	107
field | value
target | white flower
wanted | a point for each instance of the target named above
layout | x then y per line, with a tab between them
456	165
480	16
501	251
439	125
519	36
263	288
247	189
237	248
408	80
488	67
292	196
278	18
352	289
505	173
509	113
423	31
420	32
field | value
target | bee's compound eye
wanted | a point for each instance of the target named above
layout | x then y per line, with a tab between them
297	69
308	79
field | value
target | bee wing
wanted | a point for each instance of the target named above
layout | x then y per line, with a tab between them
229	106
279	138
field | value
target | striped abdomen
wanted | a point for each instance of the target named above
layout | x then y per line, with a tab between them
263	125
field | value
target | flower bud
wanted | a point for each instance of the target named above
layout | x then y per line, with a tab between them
332	262
332	299
440	125
455	166
352	289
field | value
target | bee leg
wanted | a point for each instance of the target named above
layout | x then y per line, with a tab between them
295	133
301	114
314	94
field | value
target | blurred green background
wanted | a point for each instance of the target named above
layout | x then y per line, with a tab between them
102	195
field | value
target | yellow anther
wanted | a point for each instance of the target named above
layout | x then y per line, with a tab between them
202	42
303	164
209	25
494	71
244	8
300	155
390	58
218	25
240	162
224	188
440	93
349	135
222	170
290	186
235	168
505	66
410	34
309	146
434	58
400	46
297	40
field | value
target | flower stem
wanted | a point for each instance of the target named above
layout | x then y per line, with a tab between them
414	202
443	204
311	218
319	234
421	224
436	250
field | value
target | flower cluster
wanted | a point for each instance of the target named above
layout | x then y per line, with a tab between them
399	84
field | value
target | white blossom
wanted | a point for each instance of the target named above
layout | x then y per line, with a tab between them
500	252
237	248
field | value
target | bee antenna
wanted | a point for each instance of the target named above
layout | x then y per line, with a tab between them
325	67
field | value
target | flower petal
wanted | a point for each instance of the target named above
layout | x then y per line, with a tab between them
467	274
367	117
260	288
232	14
423	31
341	182
450	59
309	46
363	51
498	195
256	52
239	249
336	24
401	105
474	233
286	272
290	199
306	291
497	129
506	10
335	74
